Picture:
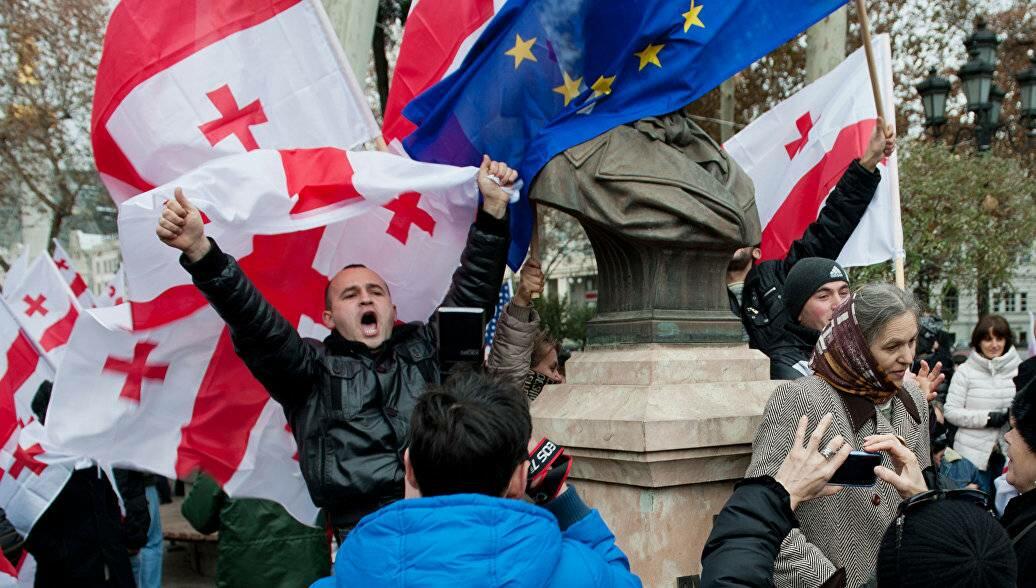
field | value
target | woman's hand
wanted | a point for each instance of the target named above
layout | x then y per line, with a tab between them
907	479
929	379
805	472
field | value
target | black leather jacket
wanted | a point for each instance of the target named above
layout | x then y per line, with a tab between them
348	406
762	300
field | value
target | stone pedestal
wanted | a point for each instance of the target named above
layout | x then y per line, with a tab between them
659	434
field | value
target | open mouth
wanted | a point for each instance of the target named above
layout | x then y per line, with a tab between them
369	324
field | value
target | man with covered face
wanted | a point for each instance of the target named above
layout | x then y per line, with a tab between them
349	397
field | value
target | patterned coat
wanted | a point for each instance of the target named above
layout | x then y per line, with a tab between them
841	533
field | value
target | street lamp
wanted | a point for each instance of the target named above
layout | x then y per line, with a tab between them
1027	89
983	97
934	91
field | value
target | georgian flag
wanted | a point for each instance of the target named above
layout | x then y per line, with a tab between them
32	473
796	153
115	292
18	575
72	277
156	385
16	272
437	36
45	307
182	83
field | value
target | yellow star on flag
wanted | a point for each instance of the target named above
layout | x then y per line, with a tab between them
691	18
649	55
603	85
522	50
570	89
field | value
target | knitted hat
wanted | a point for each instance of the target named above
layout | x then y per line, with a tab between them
947	544
808	275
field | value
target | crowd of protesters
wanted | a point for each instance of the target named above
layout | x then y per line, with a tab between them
487	504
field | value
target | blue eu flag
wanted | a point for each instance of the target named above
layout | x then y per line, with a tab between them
550	74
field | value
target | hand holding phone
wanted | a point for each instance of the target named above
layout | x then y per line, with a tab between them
857	471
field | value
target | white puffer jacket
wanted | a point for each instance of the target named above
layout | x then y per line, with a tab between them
980	386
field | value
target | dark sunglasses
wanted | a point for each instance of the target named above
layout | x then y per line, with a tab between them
976	497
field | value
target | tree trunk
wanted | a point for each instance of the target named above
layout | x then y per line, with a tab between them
55	229
982	296
381	72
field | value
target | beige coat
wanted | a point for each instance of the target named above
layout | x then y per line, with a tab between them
978	387
511	354
845	530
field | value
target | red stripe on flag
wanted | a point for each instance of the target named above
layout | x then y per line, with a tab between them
434	32
57	334
78	285
802	204
320	177
172	305
230	399
145	37
22	360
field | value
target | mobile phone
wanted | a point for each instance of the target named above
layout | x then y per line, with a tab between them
461	334
858	470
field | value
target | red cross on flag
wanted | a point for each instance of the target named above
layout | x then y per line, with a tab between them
31	472
72	277
180	84
796	153
115	292
45	307
160	387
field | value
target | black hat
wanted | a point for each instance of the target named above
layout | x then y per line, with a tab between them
947	544
808	275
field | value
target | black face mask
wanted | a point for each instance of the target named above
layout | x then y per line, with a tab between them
534	383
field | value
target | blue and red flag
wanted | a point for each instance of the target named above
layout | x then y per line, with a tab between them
548	75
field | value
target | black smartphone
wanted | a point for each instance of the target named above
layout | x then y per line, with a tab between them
858	470
461	335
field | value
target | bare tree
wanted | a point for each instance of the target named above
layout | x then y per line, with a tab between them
49	51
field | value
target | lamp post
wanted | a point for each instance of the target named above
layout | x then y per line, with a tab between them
983	97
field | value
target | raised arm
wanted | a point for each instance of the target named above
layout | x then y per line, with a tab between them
269	345
516	329
477	281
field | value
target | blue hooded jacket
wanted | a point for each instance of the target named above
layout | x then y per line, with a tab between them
466	540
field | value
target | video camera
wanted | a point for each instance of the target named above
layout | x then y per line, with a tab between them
930	331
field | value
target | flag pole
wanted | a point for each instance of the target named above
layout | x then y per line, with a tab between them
879	104
534	242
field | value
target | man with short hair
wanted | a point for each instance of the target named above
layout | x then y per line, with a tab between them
347	399
815	287
756	290
466	524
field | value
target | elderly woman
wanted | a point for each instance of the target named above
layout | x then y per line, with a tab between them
980	394
1020	516
859	365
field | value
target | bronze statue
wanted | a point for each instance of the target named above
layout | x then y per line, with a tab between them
664	208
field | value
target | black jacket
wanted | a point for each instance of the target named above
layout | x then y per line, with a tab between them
79	541
790	360
1019	514
348	406
762	303
747	534
131	485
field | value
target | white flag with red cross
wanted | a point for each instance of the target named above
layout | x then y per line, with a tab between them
14	274
182	83
32	473
72	277
115	292
167	393
45	307
796	153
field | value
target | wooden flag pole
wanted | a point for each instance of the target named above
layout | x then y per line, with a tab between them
534	242
879	104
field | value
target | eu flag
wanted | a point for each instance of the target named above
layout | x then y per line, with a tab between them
550	74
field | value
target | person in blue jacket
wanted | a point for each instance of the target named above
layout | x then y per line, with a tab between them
465	522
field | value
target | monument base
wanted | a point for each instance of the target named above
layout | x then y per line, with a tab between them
659	435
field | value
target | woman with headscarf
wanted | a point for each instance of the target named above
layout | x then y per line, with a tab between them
980	394
859	365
